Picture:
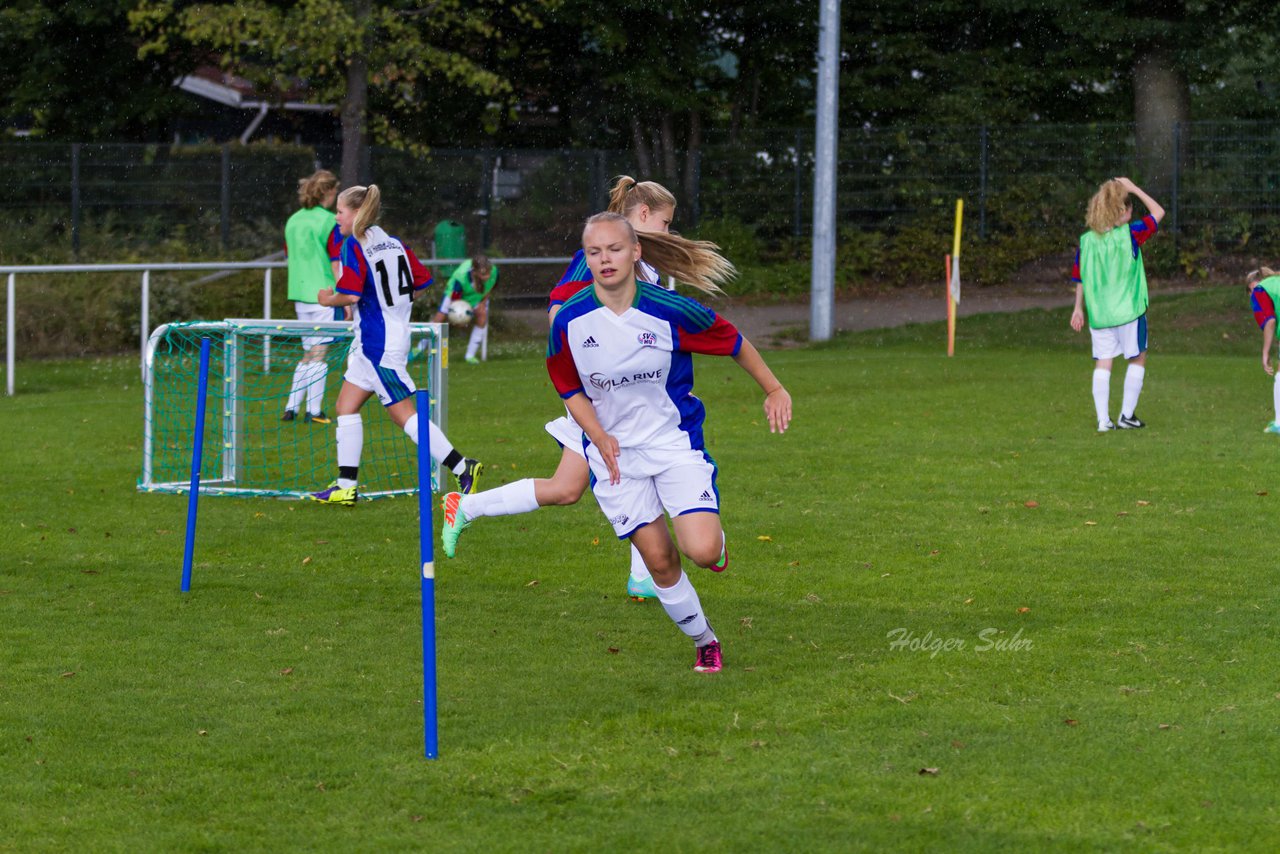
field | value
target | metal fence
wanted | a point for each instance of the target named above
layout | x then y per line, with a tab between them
530	202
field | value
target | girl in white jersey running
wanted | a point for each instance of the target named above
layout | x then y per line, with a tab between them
379	277
650	208
620	354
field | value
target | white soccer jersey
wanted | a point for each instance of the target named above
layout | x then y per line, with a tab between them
384	273
637	368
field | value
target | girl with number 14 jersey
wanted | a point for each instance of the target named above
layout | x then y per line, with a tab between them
380	276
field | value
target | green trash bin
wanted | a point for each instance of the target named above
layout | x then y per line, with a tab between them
450	241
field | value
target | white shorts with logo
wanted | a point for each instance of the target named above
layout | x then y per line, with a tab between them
567	432
1128	340
653	481
391	385
313	312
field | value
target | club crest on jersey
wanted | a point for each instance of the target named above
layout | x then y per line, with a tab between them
600	381
647	339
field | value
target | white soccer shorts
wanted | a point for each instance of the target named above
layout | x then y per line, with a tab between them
1128	340
567	432
391	385
313	312
679	482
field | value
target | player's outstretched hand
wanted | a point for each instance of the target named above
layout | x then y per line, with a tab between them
777	409
1077	320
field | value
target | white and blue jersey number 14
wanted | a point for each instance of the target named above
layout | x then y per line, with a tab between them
402	290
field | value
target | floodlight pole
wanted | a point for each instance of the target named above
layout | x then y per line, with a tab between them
822	298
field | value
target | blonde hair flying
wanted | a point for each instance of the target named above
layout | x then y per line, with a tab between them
697	263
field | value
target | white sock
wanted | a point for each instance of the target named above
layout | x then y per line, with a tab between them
298	389
1101	394
315	386
473	343
441	447
350	444
507	500
1275	395
680	601
1132	388
639	571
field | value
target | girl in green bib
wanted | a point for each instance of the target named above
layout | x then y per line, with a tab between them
1263	285
471	282
1111	283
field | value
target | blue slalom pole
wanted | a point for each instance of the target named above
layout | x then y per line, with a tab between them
427	553
197	454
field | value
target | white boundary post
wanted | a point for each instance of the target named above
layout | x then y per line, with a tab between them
10	340
146	319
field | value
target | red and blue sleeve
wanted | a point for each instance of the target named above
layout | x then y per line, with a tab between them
1075	268
1143	230
561	292
334	244
1264	309
560	365
421	275
355	270
721	338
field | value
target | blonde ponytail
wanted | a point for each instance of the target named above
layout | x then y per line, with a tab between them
368	204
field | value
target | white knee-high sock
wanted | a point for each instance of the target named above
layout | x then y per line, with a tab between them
1101	393
506	500
315	386
298	389
1275	395
350	443
440	444
680	601
1132	388
473	343
638	569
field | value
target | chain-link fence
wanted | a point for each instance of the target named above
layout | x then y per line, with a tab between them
1223	182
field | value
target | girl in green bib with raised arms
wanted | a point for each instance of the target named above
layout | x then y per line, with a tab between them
1263	285
1111	283
472	283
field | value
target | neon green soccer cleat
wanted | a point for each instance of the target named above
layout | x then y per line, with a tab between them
455	522
335	494
470	477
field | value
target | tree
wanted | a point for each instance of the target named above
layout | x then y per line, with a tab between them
378	60
67	73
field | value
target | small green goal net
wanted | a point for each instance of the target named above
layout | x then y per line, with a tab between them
248	448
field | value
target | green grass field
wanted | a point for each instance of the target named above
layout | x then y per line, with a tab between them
1085	623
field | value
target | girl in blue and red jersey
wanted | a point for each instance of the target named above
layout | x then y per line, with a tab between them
380	276
1263	285
1111	282
650	208
620	354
